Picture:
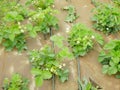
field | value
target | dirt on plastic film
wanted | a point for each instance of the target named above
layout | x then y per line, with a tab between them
12	62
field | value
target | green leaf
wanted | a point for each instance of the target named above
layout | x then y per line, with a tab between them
36	71
39	81
101	56
63	75
33	34
110	45
116	60
105	69
58	40
112	70
46	74
64	53
9	45
99	39
13	16
32	30
11	37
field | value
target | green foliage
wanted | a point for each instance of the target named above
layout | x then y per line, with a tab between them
46	63
14	30
44	20
11	36
32	30
110	58
71	17
95	3
82	39
19	43
11	31
17	82
117	2
63	74
41	3
12	11
106	18
58	40
63	52
87	85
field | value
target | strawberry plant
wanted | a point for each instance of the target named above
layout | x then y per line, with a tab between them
110	58
13	10
41	3
11	34
44	20
82	39
46	63
17	82
11	31
106	18
71	17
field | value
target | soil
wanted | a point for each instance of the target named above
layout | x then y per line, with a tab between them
13	62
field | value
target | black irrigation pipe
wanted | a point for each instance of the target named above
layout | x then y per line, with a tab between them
53	78
53	82
78	69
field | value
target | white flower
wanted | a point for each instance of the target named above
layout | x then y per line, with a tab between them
93	37
30	19
22	30
46	68
78	42
107	28
33	58
51	70
64	64
85	37
60	66
53	6
18	23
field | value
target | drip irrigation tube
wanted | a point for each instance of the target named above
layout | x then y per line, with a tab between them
53	78
53	82
78	69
